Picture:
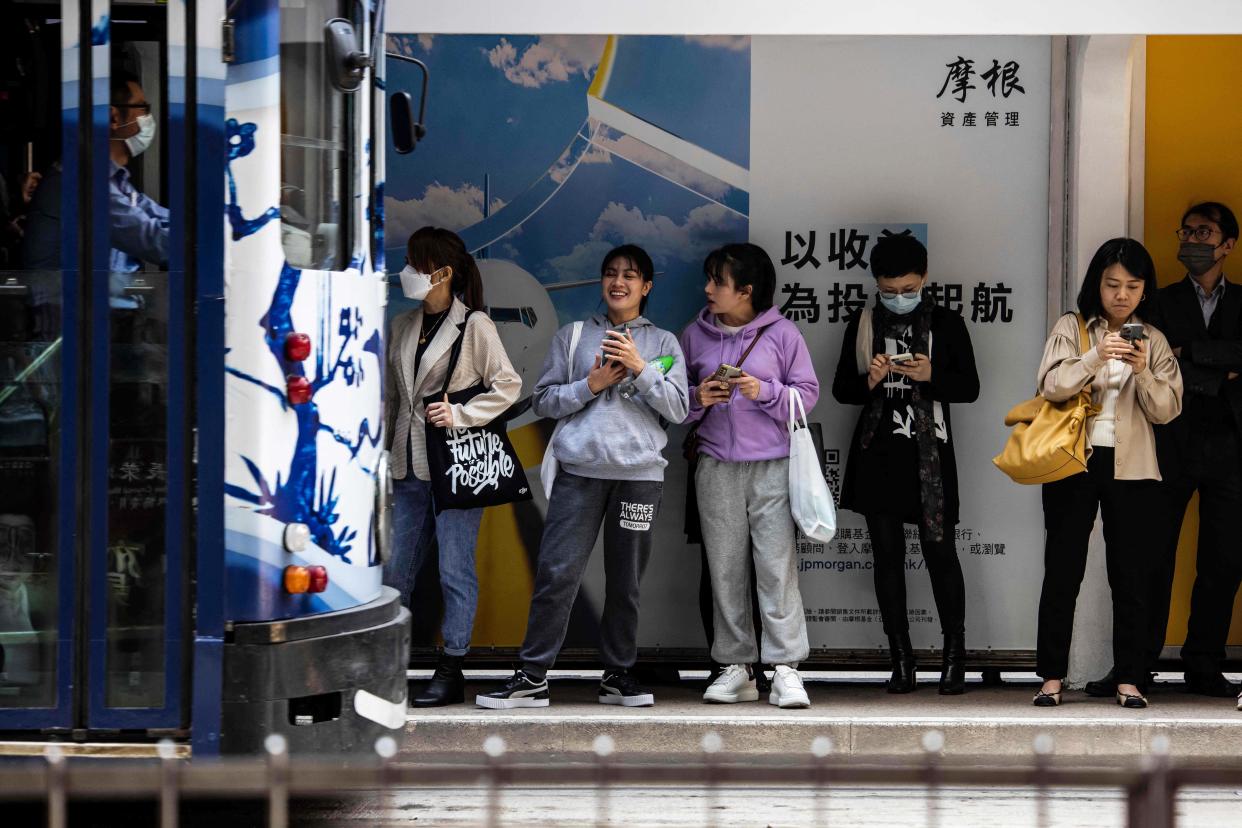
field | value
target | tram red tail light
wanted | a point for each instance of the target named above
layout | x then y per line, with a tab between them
297	347
298	389
299	579
318	578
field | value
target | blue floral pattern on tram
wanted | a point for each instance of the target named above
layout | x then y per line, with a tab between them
306	496
240	139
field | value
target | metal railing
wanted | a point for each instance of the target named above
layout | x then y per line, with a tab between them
1151	785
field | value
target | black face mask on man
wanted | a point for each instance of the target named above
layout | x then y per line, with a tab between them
1197	257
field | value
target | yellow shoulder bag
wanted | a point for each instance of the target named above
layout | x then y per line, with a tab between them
1049	439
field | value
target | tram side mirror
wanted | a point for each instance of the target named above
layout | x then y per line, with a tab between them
406	131
347	64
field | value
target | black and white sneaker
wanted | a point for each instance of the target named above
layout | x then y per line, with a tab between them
619	687
519	691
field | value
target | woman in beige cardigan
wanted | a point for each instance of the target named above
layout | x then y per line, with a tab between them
1135	383
441	273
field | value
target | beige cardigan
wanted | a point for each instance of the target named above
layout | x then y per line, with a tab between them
483	359
1153	396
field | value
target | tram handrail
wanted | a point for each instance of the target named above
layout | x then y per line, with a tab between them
36	363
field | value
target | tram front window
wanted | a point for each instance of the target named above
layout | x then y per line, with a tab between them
313	142
30	352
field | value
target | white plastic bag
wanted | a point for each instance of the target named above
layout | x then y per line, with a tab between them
810	499
549	467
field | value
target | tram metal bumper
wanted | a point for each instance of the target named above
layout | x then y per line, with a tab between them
331	684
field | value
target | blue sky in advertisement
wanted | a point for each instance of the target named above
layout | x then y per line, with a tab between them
566	187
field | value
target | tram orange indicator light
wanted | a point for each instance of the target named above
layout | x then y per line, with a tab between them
318	578
297	579
298	389
297	347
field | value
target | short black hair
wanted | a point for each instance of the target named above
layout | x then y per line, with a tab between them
119	79
898	254
1218	213
641	261
749	266
1129	254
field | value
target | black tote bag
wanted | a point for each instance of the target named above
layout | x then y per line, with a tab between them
473	467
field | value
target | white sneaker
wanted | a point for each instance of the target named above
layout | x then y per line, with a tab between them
735	684
787	689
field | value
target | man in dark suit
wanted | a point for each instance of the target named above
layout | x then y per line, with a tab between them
1201	450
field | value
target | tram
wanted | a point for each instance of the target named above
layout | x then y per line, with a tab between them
192	476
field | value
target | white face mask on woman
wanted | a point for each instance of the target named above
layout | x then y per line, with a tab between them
416	284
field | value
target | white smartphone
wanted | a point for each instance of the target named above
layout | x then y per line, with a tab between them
899	358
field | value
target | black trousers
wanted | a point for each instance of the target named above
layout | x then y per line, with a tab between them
1128	508
1214	469
888	546
627	510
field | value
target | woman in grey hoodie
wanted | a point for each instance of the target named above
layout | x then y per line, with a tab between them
617	382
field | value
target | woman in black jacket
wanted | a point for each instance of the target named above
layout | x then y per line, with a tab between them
913	358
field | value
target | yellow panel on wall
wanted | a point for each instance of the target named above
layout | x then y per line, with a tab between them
1193	153
503	562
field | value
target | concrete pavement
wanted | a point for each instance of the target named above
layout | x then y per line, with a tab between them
987	723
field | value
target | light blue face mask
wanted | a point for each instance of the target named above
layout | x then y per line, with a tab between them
901	303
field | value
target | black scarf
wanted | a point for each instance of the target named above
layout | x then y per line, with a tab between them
885	323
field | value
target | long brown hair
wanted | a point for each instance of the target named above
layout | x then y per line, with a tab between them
431	248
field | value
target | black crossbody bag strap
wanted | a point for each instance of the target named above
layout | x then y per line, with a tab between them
455	354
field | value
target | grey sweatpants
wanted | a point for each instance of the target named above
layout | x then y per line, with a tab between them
744	508
627	509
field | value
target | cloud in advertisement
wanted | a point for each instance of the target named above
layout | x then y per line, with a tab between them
454	208
666	239
403	44
734	43
550	59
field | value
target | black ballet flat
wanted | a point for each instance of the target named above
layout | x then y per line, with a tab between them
1043	699
1130	701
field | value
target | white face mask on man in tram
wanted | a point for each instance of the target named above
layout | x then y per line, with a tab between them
140	141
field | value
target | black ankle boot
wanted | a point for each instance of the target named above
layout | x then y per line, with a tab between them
953	668
901	654
447	686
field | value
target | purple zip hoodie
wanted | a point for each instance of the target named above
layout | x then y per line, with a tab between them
745	429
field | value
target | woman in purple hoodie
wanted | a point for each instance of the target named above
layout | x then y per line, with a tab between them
742	470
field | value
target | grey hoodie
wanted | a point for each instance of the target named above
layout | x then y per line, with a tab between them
608	436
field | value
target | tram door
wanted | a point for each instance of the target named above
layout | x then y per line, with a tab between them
96	333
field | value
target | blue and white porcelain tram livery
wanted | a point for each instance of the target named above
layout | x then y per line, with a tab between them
192	509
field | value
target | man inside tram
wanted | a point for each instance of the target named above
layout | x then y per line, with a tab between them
139	223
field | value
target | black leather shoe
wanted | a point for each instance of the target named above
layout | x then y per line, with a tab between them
1103	687
901	654
762	683
953	666
1210	684
447	685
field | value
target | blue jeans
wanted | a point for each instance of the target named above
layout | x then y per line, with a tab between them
456	531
